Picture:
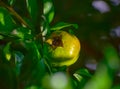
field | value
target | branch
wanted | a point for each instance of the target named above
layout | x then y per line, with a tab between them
14	13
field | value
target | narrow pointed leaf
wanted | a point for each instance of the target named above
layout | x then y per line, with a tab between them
48	10
11	2
18	61
7	52
62	25
33	9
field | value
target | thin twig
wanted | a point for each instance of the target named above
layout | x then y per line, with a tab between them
14	13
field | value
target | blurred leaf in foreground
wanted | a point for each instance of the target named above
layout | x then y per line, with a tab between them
58	80
116	87
103	78
111	55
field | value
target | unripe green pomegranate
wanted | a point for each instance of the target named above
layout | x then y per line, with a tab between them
63	49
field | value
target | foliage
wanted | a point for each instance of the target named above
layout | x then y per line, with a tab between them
24	27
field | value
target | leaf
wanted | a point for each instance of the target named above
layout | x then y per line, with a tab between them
82	76
18	61
11	2
8	37
22	33
62	25
7	52
32	53
1	37
45	29
6	22
8	2
33	50
81	73
29	22
33	8
111	55
33	87
102	79
33	69
48	10
116	87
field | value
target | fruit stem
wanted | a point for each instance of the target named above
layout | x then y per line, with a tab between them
48	66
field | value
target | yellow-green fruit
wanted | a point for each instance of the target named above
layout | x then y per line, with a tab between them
63	49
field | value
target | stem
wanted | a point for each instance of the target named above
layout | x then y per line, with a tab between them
39	20
39	36
48	66
13	12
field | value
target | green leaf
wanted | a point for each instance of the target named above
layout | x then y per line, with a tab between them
22	33
33	8
8	37
116	87
48	10
1	37
62	25
112	57
6	22
7	52
32	87
82	76
79	74
83	72
18	61
101	79
33	69
45	28
33	50
32	54
29	22
11	2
